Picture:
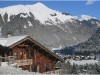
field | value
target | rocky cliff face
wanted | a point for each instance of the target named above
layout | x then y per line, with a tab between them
51	28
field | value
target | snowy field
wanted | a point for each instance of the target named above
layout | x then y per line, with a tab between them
15	71
82	62
6	69
11	69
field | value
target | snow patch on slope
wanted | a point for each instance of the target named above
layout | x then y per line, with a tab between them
13	10
60	47
56	36
84	17
75	39
30	24
23	16
98	23
68	29
25	26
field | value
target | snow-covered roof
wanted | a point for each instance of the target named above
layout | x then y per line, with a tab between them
11	40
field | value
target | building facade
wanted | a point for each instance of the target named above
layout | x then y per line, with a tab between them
30	55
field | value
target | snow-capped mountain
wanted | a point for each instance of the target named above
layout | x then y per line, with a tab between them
49	27
42	15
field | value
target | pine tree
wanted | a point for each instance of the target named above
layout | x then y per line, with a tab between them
68	67
74	69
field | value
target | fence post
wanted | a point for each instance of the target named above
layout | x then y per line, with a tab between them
8	60
0	60
5	57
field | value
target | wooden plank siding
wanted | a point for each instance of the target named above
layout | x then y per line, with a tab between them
39	58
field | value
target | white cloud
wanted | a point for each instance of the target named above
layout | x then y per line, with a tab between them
90	2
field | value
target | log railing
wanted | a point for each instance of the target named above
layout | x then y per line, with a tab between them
9	59
23	62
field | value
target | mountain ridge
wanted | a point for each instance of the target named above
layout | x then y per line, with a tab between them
50	28
17	9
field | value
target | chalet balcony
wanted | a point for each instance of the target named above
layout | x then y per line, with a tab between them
23	62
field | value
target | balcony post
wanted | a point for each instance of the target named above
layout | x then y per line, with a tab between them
0	60
30	68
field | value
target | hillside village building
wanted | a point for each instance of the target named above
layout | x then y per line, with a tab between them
29	54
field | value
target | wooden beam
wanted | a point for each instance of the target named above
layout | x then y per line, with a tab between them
42	53
55	61
36	47
46	55
33	46
35	55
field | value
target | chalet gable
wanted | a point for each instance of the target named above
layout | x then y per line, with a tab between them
17	40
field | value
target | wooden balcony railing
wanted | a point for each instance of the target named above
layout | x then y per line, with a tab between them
9	59
23	62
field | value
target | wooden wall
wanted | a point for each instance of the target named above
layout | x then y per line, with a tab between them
40	59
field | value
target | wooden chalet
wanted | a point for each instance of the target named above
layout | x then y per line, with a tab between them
29	54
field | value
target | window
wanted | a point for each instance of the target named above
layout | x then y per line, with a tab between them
15	54
34	68
47	67
21	55
31	53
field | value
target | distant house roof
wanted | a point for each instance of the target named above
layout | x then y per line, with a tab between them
14	40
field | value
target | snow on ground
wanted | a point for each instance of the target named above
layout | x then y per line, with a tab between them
11	69
6	69
82	62
15	71
5	64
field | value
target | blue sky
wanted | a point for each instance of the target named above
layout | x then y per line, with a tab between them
75	8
